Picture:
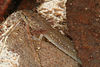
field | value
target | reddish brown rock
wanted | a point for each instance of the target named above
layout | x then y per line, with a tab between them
84	28
3	7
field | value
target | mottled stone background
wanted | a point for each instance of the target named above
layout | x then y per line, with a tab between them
83	19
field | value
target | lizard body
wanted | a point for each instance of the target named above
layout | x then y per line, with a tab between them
55	37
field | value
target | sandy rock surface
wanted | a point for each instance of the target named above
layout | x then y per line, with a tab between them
17	49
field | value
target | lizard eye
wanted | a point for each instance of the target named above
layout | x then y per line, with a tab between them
25	16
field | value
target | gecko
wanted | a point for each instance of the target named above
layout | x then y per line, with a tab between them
37	22
63	43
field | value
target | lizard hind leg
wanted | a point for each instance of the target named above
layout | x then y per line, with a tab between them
38	38
38	34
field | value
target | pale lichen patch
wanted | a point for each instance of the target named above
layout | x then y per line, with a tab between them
54	9
7	58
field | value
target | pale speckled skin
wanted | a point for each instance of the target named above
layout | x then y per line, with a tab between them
36	22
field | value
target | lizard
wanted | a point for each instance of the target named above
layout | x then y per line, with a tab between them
63	43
